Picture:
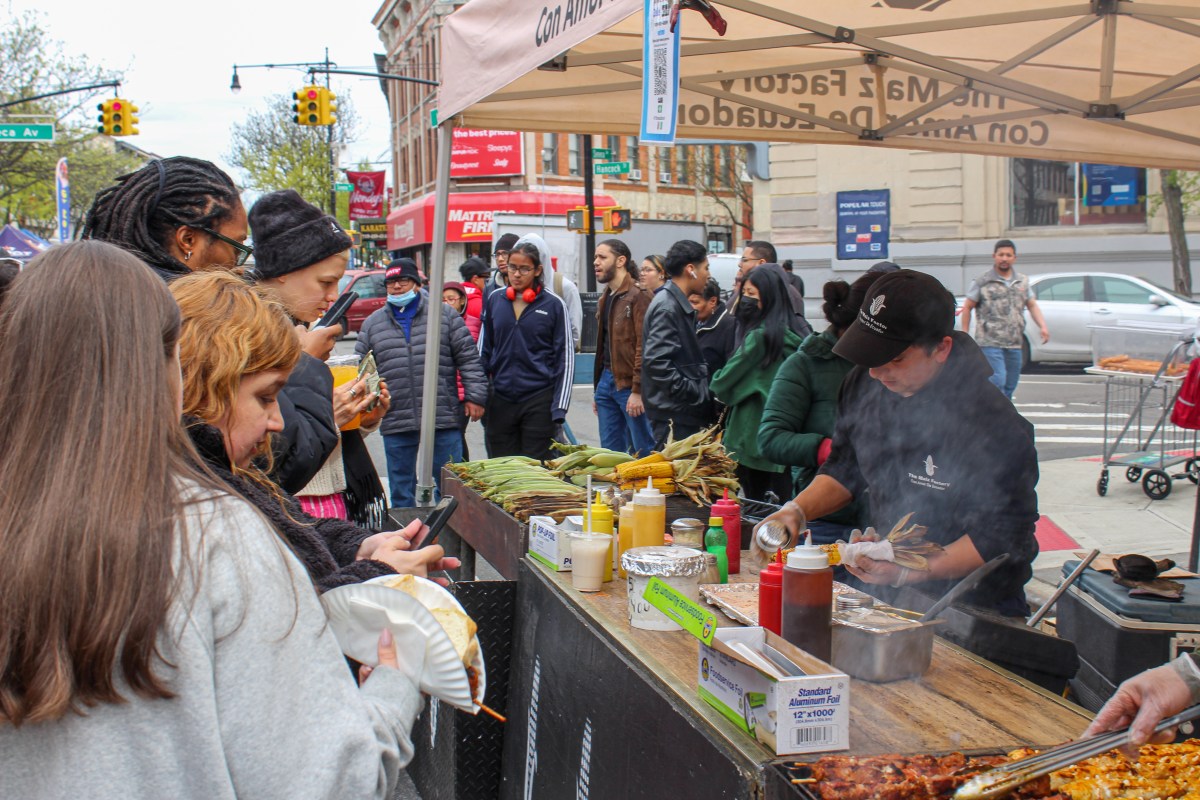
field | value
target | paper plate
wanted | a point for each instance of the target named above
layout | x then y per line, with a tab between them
359	612
434	595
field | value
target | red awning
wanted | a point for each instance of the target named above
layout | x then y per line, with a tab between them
471	213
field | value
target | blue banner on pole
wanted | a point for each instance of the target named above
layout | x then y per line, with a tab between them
660	73
863	224
62	192
1106	185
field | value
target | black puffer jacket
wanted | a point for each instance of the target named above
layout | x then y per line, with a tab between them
326	547
309	432
674	373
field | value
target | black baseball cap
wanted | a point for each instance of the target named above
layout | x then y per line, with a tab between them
474	266
902	308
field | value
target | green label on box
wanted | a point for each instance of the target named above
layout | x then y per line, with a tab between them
683	610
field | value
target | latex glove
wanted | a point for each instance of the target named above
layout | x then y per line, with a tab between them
869	570
869	535
867	549
1145	700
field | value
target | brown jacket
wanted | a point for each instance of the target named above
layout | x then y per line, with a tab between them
630	302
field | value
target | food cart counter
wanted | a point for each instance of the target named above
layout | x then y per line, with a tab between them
598	706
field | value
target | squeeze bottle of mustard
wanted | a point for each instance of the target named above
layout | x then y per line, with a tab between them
600	520
624	533
649	517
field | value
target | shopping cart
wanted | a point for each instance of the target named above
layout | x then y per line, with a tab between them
1137	404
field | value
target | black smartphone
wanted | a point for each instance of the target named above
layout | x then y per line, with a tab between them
337	311
438	518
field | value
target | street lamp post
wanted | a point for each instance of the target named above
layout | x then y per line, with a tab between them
328	68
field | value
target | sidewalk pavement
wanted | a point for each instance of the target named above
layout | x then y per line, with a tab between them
1123	521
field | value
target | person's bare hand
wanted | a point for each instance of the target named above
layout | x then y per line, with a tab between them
371	419
350	400
1045	335
414	562
473	410
318	343
1141	703
387	656
635	407
368	546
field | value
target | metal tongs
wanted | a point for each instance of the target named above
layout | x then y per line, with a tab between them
1002	780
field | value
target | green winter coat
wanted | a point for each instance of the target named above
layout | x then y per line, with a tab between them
801	411
743	385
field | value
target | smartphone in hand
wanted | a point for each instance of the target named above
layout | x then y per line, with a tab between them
337	311
437	519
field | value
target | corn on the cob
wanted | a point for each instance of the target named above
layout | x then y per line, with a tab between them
653	458
660	469
664	485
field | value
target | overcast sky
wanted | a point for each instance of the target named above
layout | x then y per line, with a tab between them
178	59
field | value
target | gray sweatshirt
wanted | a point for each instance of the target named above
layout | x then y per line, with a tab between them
265	704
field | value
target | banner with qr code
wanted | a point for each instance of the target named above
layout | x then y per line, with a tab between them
660	73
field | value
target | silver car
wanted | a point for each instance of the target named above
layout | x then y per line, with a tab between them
1071	301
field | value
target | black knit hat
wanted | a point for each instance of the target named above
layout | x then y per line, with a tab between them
403	268
291	234
506	242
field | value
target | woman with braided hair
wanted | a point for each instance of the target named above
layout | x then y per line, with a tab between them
178	215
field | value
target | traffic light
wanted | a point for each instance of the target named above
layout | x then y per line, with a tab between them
617	220
308	105
327	109
117	117
577	220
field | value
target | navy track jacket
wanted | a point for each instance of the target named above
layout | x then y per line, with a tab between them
525	356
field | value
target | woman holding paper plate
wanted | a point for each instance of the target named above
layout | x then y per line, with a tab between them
157	639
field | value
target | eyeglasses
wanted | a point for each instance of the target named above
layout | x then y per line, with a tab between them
241	251
521	270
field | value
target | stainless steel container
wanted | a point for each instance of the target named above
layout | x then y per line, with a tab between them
879	654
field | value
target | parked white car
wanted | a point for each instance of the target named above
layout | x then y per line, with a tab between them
1071	301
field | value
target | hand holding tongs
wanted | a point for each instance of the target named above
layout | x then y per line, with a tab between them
1004	779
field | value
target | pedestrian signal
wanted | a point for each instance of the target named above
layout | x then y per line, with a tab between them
308	105
617	220
577	220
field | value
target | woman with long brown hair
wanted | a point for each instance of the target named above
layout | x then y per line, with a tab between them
237	348
156	637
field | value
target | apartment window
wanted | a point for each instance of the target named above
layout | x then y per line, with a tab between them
550	153
683	162
1063	193
575	154
631	151
614	144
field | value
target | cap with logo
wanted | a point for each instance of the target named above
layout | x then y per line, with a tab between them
403	268
903	307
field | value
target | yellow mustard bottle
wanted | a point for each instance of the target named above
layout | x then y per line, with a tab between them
600	520
649	517
624	533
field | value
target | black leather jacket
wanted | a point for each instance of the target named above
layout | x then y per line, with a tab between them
674	373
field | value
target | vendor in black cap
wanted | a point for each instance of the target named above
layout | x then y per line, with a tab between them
921	429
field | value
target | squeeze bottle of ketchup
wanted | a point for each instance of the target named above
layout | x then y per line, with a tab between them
808	600
731	514
770	595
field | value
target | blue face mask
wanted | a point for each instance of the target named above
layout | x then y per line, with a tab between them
401	300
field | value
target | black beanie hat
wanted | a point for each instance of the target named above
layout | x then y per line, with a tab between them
291	233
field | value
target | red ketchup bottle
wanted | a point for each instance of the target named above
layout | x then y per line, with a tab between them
770	595
808	600
731	513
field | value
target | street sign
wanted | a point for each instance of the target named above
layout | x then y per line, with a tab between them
36	132
602	154
614	168
344	187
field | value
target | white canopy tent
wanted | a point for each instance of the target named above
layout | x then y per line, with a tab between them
1105	81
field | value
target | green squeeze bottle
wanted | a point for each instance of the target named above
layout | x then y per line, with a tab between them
715	542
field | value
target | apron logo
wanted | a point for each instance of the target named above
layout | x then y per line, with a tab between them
930	467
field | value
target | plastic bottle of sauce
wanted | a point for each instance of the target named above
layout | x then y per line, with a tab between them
624	533
731	515
649	517
807	616
714	542
600	520
770	595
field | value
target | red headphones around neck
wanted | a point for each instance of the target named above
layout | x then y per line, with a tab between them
529	295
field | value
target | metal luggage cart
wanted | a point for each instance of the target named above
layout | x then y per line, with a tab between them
1137	410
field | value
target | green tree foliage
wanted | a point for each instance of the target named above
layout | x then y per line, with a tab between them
272	152
33	63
